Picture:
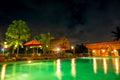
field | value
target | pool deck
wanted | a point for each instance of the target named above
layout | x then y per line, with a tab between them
26	58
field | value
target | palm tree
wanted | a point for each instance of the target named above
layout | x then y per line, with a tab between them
45	39
16	34
116	33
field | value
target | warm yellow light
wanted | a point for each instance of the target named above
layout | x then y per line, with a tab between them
16	45
58	69
94	65
117	65
105	65
3	72
73	68
115	50
29	61
72	47
103	50
5	43
5	46
93	51
58	49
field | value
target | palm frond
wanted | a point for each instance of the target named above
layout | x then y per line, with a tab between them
116	34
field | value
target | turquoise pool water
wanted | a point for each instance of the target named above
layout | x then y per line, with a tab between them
62	69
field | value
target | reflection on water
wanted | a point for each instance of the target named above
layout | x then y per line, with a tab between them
58	69
14	70
106	61
115	62
3	72
63	69
73	68
105	65
94	65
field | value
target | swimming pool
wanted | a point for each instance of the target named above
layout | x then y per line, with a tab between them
62	69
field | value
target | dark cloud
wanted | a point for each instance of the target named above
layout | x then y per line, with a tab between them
79	20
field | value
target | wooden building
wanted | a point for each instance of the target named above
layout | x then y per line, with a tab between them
107	48
62	43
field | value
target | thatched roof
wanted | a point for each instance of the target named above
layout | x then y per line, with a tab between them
104	45
61	42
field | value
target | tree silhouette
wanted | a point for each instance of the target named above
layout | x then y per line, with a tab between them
116	33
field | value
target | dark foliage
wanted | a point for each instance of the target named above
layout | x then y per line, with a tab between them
80	49
116	33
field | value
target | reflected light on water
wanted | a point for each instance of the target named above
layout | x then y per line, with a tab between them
94	65
3	72
29	61
105	65
117	65
14	70
104	68
58	69
73	68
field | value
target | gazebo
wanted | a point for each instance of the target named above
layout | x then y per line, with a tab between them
33	43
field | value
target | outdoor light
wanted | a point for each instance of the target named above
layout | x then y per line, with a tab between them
16	45
103	50
5	46
93	51
2	49
58	49
72	47
115	50
5	42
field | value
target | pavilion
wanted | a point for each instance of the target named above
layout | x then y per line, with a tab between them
106	48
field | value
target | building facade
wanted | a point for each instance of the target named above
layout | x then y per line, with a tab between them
61	43
107	48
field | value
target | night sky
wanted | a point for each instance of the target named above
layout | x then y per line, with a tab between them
79	20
